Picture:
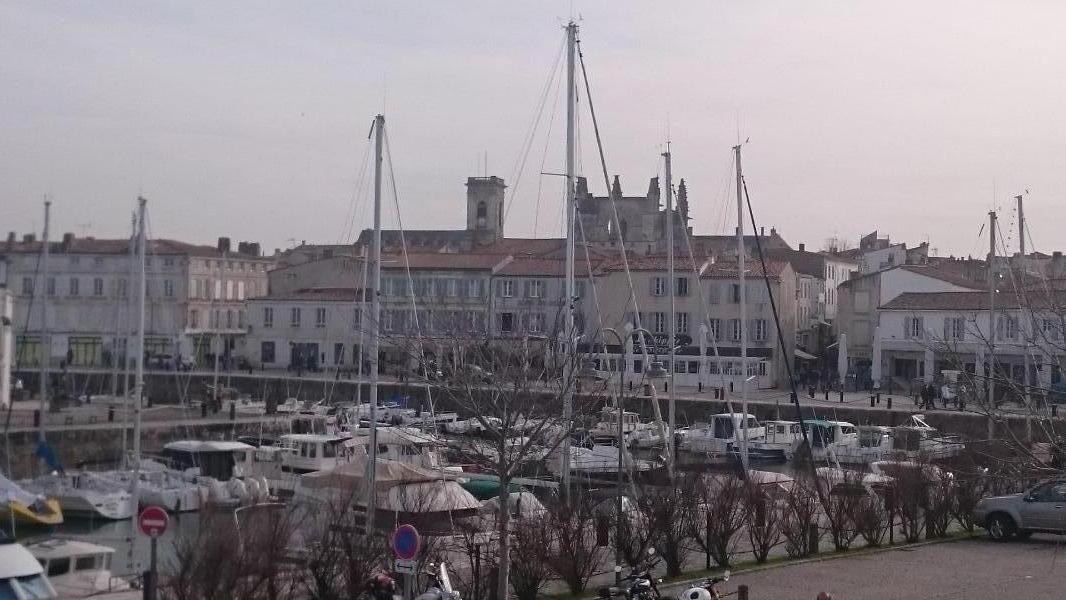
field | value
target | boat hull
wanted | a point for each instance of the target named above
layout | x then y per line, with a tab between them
51	513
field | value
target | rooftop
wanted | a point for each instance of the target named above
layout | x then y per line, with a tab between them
976	301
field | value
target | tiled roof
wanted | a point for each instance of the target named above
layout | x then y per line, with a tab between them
655	262
808	263
525	266
752	268
974	301
318	294
443	260
961	275
90	245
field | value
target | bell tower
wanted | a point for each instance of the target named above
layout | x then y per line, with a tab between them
484	208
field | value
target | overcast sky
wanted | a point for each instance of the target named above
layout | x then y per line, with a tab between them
250	119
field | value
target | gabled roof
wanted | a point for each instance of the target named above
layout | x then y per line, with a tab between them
89	245
976	301
444	261
315	295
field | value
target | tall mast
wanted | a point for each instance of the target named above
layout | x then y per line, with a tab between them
1031	324
46	338
219	340
671	284
742	277
138	378
991	318
375	332
127	333
362	323
569	344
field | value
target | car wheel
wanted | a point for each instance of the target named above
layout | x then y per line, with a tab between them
1001	528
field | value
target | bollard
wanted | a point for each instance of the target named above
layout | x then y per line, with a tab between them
37	417
810	392
826	390
742	592
666	386
841	395
631	385
890	403
871	401
1054	409
730	387
203	410
233	411
699	387
812	538
110	414
879	397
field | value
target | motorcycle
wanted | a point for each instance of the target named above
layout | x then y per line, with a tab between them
707	590
639	585
440	586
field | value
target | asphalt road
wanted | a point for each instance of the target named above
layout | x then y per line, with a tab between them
972	569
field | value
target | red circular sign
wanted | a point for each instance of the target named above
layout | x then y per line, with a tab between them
153	521
406	542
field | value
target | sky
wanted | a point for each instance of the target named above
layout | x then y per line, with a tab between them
250	119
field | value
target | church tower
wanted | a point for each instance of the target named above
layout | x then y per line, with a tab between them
484	208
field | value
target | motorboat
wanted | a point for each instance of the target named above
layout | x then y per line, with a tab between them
902	468
472	426
288	407
725	430
245	405
843	442
20	506
77	569
294	454
403	493
919	440
780	442
607	426
840	480
85	494
650	435
592	459
222	470
409	446
21	574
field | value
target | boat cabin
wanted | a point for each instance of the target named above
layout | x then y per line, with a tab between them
21	576
781	431
315	452
823	434
218	459
729	426
76	568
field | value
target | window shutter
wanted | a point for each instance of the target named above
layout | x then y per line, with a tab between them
906	327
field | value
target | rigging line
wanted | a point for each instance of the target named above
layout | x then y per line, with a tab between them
349	216
595	295
777	324
527	142
544	156
410	280
614	206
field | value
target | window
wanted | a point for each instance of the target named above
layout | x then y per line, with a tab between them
320	317
681	286
759	330
388	321
453	287
954	328
194	319
73	286
658	322
1007	328
240	289
268	317
682	322
240	318
98	286
218	290
506	322
85	563
535	289
294	317
693	367
506	288
658	286
338	354
357	317
912	328
737	329
229	319
714	330
58	566
27	286
74	260
734	293
168	288
1050	328
536	323
123	287
679	366
98	261
168	261
229	289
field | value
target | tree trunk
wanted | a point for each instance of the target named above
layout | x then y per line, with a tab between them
503	528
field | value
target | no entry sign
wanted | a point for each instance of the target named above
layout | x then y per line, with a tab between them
153	521
406	542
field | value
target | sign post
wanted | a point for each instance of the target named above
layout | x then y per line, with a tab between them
153	522
406	543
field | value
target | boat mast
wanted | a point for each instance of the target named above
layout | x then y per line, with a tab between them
991	320
1032	324
671	284
127	333
569	343
741	276
46	339
362	323
219	340
138	377
375	340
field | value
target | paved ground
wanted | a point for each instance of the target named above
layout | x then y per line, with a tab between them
975	569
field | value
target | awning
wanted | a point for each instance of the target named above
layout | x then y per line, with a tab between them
804	355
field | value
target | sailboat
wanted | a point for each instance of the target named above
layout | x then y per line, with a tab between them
20	506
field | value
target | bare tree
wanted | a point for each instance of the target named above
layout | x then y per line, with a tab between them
871	519
339	558
668	514
800	515
721	500
762	520
573	553
530	573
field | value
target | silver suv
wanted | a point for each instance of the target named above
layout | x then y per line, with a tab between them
1041	509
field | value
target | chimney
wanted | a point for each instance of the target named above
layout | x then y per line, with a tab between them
242	247
253	248
802	247
29	238
762	231
68	239
773	231
223	244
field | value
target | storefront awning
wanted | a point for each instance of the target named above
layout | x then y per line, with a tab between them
804	355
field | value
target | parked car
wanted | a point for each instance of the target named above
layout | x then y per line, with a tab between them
1040	509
